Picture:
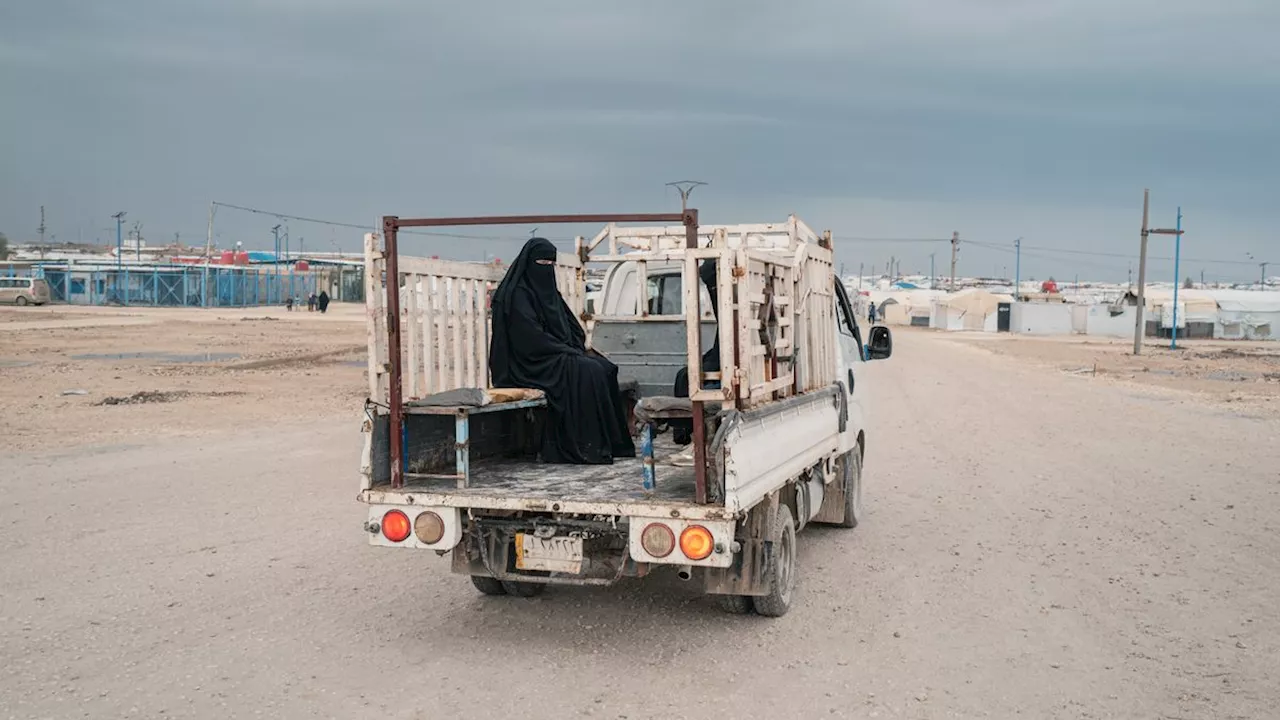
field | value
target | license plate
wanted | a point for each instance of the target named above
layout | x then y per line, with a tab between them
553	554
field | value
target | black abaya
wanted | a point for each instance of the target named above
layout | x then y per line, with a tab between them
538	343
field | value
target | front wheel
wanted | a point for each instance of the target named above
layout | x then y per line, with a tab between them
781	561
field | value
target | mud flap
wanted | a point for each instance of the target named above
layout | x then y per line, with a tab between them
749	573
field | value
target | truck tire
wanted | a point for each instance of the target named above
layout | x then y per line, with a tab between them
734	604
852	466
523	589
781	561
488	585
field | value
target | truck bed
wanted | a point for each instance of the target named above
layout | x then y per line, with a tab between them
538	483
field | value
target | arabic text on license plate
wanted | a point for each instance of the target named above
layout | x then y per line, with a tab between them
554	554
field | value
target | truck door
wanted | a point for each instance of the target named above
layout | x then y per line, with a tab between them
852	364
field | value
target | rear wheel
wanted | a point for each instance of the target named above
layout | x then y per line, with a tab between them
852	466
488	585
22	301
523	589
781	561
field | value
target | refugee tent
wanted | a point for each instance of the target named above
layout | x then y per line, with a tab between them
971	309
1247	315
904	307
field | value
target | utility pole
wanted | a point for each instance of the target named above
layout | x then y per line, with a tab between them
208	244
892	259
1017	268
1177	281
1201	279
1142	276
860	277
1264	274
275	266
1142	269
41	229
137	238
119	240
955	248
933	278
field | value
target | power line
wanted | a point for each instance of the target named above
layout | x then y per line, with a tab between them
842	238
1122	256
355	226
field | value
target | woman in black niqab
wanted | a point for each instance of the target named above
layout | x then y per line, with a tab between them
538	343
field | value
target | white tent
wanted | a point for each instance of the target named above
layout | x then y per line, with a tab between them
1247	315
972	309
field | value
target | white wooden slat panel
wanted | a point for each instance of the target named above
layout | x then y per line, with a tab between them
410	329
428	324
456	322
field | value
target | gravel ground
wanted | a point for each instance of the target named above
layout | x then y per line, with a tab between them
1037	544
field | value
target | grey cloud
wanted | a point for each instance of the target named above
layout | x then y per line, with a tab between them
900	116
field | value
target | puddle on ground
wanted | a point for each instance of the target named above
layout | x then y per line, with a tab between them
356	363
116	356
201	357
1231	376
179	358
16	363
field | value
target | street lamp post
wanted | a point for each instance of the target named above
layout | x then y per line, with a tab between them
119	240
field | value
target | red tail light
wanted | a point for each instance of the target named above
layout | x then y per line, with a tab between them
396	526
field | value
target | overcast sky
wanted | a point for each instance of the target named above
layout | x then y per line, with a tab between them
875	118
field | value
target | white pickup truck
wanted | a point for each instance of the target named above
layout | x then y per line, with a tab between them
778	429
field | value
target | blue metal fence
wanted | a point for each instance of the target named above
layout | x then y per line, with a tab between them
179	286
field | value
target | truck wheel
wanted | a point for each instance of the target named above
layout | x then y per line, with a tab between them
852	465
781	561
734	604
488	585
523	589
21	301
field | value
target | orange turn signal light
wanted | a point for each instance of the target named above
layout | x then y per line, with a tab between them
395	526
696	542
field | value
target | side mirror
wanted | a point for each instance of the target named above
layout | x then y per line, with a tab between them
881	345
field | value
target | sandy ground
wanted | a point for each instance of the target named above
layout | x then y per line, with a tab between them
1219	371
1038	544
215	369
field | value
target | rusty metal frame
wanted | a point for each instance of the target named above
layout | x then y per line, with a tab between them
391	226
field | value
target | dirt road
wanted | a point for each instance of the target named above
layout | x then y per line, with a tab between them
1037	544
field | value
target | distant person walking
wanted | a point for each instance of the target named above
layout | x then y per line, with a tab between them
871	313
323	301
311	302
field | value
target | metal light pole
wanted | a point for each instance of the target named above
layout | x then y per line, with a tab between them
275	266
1017	267
119	241
1177	281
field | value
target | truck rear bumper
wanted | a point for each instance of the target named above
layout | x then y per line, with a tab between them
602	548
